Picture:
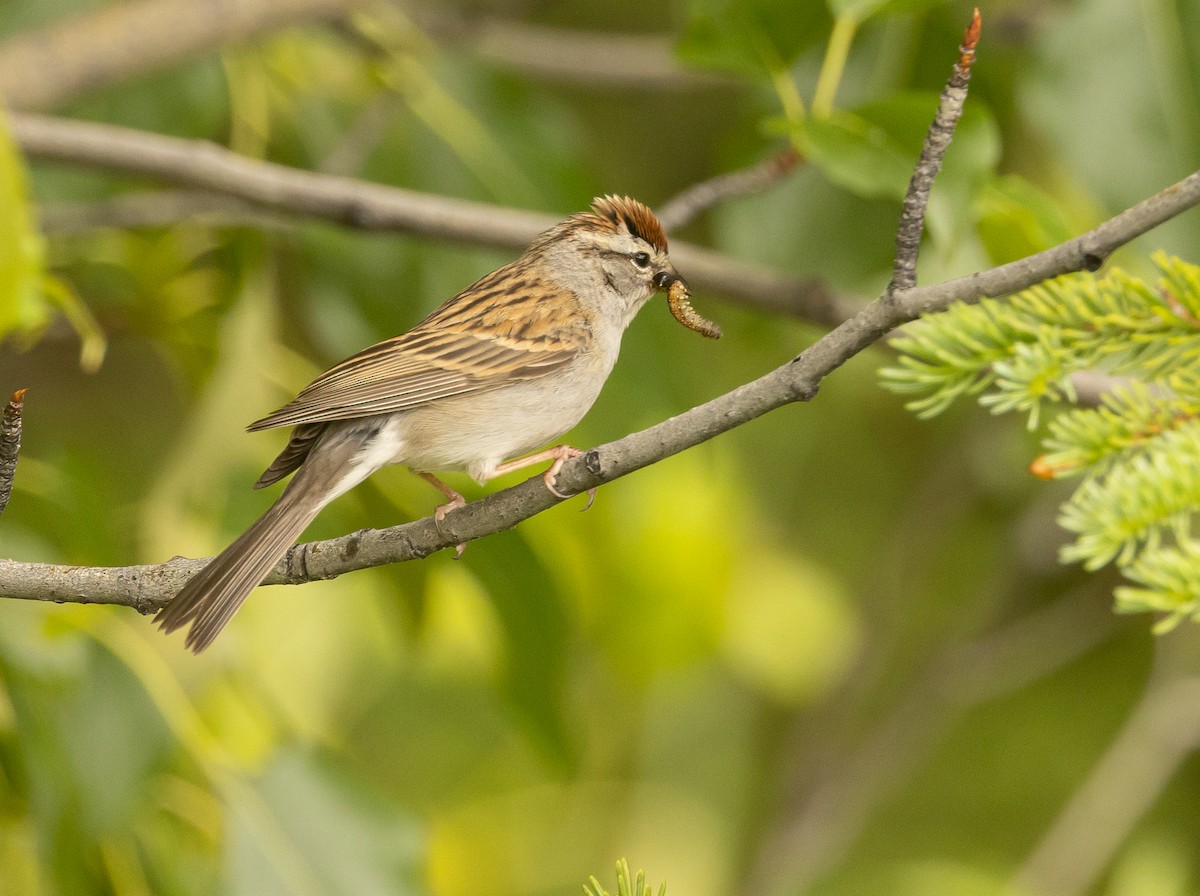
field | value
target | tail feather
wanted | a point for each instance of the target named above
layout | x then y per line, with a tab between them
211	597
329	465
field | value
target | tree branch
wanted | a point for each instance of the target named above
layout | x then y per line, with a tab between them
45	68
202	165
941	131
10	444
115	44
149	587
688	204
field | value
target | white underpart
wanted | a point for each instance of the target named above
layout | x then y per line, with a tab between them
387	447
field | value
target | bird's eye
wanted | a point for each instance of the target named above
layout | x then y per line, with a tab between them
641	260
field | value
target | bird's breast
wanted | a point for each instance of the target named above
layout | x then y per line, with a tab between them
478	431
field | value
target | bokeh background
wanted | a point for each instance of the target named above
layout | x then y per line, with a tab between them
832	652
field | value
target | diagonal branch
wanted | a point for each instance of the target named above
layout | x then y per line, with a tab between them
149	587
688	204
202	165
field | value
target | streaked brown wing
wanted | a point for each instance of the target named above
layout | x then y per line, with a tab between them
499	331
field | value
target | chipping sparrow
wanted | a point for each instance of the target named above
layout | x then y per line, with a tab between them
510	363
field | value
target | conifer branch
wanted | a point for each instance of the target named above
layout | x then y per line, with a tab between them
627	884
1139	504
1139	450
1166	580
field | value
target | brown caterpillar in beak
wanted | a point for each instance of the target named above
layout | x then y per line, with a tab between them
679	301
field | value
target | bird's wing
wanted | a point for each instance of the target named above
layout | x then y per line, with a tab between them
494	333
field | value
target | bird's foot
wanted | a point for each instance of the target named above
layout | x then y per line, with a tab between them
561	455
456	501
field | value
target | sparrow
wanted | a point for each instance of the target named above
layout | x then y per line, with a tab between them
509	364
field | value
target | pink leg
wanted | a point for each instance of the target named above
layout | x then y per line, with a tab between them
456	500
560	454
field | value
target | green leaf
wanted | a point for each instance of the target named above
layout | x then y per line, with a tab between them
22	249
859	155
1015	218
1139	503
1170	580
872	150
750	38
1138	452
1027	344
627	884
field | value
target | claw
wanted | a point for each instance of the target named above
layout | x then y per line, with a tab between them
550	478
562	454
440	514
456	501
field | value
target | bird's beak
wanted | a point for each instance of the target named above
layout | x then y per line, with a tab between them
664	279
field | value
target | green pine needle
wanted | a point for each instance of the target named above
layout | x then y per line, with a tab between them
1138	453
1168	578
1151	496
626	886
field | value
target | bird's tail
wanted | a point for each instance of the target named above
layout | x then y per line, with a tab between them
211	597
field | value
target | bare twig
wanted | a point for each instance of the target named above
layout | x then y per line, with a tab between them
45	68
941	131
149	587
205	166
684	207
10	444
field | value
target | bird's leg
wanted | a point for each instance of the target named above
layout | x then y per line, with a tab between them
456	500
560	454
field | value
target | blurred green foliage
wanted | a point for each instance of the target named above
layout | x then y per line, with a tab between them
831	652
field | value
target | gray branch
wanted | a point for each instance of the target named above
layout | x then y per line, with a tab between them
150	587
941	131
201	165
209	167
688	204
10	444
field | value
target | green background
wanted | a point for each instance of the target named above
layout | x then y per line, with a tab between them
831	652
